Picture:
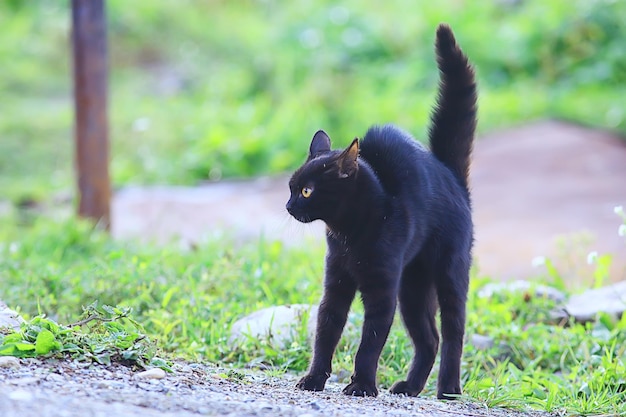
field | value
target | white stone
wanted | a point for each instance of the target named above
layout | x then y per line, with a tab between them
277	324
9	362
9	318
522	286
610	299
154	373
481	342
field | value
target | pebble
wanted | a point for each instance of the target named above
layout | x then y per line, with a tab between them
314	405
186	369
54	377
154	373
20	395
25	381
9	362
110	384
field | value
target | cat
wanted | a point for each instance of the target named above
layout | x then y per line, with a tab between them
399	230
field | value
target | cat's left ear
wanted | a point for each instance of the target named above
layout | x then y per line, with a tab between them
347	161
319	144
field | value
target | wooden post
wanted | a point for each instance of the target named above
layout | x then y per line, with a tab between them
90	101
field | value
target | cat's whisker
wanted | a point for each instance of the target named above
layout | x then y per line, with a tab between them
291	229
295	232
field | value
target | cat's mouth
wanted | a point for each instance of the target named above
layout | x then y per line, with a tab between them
302	218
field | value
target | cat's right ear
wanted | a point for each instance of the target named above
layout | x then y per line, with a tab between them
319	144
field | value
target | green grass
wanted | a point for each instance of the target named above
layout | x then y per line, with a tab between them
186	301
206	90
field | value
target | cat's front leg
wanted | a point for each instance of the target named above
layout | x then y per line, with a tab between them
380	305
313	382
339	291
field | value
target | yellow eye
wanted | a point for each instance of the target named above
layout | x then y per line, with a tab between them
306	192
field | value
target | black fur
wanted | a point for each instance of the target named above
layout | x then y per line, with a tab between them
399	230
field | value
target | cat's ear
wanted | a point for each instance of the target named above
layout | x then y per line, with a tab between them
319	144
347	161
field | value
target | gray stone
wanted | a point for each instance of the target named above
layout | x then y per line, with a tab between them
9	318
610	299
481	342
9	362
277	324
558	316
522	286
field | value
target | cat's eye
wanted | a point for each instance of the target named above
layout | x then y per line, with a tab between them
306	192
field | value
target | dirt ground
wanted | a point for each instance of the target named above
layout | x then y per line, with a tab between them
546	189
68	389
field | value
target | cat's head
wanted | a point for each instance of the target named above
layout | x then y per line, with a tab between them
320	186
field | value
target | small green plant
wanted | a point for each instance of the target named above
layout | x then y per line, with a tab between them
236	376
103	334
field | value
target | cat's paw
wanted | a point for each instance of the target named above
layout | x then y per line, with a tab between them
403	387
449	393
360	389
312	382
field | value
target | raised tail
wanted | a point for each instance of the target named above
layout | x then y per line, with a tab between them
454	119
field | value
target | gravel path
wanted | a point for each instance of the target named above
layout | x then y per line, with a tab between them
51	388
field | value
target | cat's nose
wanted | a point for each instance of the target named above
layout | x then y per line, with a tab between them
288	206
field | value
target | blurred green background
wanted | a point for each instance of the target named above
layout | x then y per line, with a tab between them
204	90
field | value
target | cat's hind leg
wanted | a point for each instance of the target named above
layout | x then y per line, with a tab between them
418	306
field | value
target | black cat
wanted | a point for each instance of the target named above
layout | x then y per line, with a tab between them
399	229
